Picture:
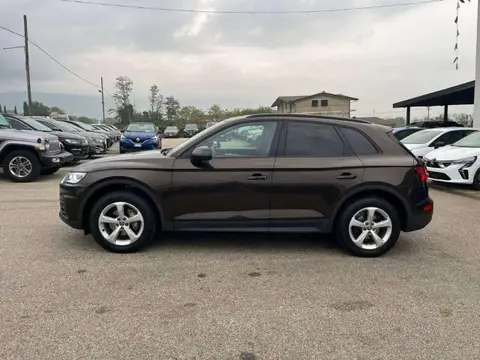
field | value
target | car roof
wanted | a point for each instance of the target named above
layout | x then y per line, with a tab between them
307	116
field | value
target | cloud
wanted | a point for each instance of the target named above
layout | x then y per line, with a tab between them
379	56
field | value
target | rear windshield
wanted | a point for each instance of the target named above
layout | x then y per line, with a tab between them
422	137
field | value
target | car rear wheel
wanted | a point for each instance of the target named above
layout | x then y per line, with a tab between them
368	227
21	166
123	222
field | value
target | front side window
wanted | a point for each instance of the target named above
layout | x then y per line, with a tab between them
451	137
246	140
312	140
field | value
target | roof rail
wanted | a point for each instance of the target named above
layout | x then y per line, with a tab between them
317	116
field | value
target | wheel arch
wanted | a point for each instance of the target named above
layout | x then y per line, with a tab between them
381	190
120	183
9	147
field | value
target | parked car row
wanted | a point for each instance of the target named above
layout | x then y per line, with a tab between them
451	154
34	146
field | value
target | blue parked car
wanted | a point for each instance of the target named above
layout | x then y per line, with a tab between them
402	132
140	136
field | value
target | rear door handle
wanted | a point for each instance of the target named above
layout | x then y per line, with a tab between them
346	176
257	177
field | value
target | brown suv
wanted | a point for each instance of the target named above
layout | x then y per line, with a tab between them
259	173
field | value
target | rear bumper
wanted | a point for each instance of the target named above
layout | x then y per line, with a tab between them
55	160
420	217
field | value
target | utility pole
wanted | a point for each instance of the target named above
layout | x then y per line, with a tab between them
27	65
476	104
103	100
428	113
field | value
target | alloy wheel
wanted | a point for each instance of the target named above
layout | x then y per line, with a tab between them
121	223
370	228
20	166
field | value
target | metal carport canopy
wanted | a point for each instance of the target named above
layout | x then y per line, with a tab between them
462	94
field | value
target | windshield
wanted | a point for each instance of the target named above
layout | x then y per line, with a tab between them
422	137
35	125
85	126
146	127
65	126
472	140
191	127
171	128
4	123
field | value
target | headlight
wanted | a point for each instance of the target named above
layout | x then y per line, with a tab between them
467	161
47	145
98	140
154	138
73	141
122	137
73	177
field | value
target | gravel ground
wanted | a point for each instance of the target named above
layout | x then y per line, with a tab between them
234	297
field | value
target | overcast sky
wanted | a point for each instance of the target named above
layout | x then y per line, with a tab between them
379	56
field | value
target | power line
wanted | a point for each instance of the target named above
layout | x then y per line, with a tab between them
259	12
51	57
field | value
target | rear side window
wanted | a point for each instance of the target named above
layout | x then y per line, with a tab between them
358	142
306	139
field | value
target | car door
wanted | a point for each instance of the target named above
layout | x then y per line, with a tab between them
313	169
231	191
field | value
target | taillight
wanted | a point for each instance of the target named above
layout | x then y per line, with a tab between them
422	173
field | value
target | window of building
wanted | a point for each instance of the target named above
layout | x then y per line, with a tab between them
314	103
324	103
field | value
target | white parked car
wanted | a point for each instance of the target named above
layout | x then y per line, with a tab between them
423	142
458	163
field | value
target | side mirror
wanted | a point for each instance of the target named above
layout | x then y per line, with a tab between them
201	154
438	144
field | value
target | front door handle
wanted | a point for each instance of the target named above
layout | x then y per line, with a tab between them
346	176
257	177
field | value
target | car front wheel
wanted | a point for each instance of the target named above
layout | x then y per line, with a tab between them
21	166
368	227
123	222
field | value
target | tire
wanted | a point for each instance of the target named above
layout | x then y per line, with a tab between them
476	181
133	202
369	247
32	159
49	171
122	151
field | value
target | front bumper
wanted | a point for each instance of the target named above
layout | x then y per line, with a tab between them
55	160
170	135
454	173
79	151
127	145
70	207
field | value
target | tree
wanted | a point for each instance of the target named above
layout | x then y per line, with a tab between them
463	119
190	114
124	88
155	101
57	110
172	106
0	108
25	108
216	112
15	110
4	109
39	109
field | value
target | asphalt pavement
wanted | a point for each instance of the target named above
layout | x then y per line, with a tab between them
241	297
